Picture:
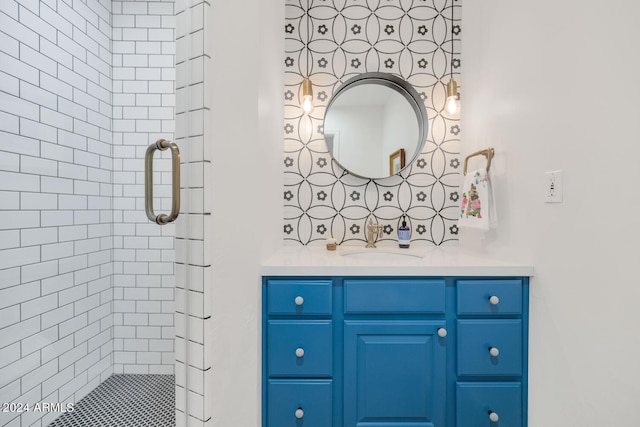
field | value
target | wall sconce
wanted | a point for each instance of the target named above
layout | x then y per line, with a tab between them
307	95
453	97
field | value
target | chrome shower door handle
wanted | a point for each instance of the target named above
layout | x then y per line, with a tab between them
162	145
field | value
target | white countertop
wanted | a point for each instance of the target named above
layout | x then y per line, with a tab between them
385	261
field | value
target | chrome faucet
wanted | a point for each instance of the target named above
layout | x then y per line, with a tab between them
374	232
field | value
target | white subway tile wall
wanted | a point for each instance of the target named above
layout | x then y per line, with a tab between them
143	112
86	282
55	203
193	268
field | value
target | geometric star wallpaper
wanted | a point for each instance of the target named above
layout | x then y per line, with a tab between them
332	41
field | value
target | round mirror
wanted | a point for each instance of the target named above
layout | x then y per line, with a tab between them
375	125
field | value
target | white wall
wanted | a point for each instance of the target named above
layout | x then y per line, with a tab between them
520	57
247	112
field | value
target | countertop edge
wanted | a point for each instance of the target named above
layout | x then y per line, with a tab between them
451	261
386	271
459	271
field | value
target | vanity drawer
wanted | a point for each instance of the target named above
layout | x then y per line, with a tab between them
475	297
296	403
300	348
476	338
394	296
299	297
477	402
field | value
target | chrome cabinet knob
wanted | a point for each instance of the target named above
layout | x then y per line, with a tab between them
493	417
494	300
442	332
299	300
494	351
299	413
299	352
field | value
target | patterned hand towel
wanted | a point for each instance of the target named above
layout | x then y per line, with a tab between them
478	208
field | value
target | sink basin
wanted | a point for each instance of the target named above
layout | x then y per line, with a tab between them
379	253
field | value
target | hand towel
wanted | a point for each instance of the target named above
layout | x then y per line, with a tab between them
478	205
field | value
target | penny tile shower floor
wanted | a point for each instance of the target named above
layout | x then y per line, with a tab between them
125	401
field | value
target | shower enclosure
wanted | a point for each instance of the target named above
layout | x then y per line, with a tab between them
91	291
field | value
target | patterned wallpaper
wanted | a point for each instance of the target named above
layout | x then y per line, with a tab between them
408	38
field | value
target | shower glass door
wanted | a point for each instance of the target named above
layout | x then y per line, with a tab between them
101	309
193	309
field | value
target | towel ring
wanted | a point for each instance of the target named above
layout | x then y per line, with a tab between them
487	152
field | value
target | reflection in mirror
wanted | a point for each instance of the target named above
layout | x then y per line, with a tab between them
370	119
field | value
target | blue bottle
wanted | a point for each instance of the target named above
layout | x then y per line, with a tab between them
404	234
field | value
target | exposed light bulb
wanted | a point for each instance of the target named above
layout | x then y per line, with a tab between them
453	105
307	103
453	101
307	96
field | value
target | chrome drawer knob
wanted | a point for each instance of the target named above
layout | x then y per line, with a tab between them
494	300
299	300
493	417
299	413
299	352
494	351
442	332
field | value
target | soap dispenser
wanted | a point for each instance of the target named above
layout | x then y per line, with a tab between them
404	234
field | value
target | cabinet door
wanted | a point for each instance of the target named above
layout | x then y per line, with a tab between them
489	297
477	337
394	374
489	404
299	297
299	348
300	403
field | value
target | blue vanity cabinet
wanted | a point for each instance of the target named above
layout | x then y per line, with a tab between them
394	359
298	359
492	330
394	373
395	352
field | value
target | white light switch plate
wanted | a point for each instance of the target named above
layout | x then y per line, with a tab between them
553	186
